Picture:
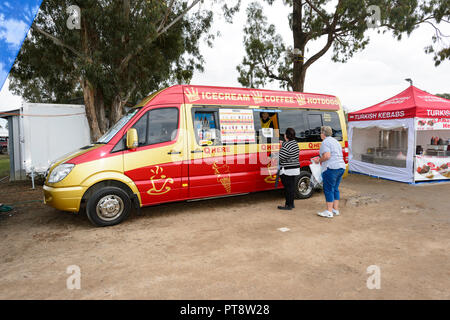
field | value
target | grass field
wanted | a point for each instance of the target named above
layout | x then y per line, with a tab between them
4	165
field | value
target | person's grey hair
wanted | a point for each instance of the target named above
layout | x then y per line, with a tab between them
327	131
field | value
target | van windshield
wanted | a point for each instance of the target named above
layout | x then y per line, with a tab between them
119	125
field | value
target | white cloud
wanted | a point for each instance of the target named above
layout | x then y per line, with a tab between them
12	31
3	74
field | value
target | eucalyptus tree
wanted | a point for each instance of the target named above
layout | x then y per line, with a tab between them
112	52
340	25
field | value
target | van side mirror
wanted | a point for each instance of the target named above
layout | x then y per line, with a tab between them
132	139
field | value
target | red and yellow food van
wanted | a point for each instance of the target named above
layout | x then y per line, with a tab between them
192	142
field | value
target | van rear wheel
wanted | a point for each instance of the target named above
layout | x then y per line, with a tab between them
303	189
108	206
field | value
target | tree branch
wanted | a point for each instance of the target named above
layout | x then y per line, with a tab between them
58	42
130	92
178	18
320	13
139	48
315	57
439	33
271	75
163	21
330	39
343	29
424	20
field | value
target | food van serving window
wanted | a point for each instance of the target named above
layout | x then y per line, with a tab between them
266	125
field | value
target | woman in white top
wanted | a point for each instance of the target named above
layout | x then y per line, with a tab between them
333	168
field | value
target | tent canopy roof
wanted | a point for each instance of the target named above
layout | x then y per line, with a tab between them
409	103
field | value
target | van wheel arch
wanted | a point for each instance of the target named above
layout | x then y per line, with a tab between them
111	183
305	168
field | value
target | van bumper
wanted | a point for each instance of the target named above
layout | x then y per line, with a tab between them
64	199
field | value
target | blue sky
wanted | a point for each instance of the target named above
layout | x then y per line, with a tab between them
16	18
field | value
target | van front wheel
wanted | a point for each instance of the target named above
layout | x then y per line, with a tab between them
108	206
303	189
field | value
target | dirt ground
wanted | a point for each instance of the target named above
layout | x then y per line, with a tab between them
231	248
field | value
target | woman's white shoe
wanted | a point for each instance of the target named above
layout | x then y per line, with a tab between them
325	214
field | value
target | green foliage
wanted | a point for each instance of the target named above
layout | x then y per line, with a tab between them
263	47
444	95
125	50
46	72
4	165
343	25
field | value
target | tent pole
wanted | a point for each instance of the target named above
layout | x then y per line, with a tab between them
32	178
415	148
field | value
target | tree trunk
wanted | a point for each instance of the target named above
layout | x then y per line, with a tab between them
89	92
300	40
89	102
100	109
116	109
299	77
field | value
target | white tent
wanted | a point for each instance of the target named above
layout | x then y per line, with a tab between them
399	164
387	140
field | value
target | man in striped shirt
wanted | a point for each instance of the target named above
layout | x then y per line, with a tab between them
289	167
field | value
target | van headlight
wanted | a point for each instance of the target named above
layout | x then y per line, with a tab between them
60	172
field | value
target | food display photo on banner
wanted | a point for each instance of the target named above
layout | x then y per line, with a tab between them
237	126
432	124
429	168
432	149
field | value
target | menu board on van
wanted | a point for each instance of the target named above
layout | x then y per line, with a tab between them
236	125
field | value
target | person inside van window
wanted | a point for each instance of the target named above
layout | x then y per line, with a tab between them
267	120
289	167
333	168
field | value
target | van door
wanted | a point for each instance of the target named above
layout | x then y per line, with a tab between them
156	165
215	168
